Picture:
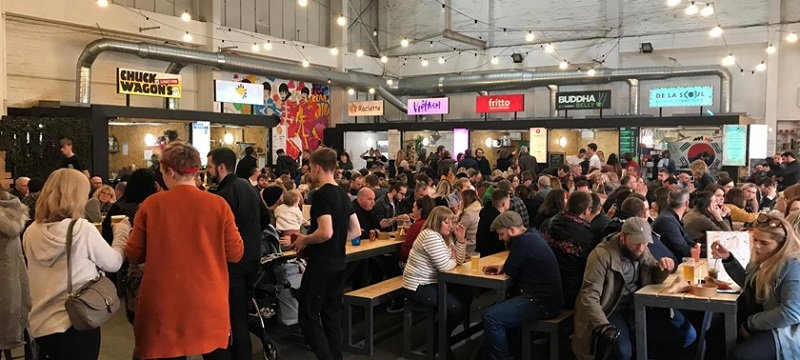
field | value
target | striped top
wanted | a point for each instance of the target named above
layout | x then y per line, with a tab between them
430	255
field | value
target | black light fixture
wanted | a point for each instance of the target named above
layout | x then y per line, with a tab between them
646	48
517	57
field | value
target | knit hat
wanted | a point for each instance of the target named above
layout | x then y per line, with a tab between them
271	194
637	230
507	219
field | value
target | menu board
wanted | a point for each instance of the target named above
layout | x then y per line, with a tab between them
201	138
628	141
734	145
538	143
556	158
394	143
737	242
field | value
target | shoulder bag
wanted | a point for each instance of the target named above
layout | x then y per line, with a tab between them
95	302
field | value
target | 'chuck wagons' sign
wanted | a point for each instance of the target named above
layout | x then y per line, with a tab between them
148	83
429	106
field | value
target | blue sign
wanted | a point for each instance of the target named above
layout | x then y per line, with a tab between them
682	96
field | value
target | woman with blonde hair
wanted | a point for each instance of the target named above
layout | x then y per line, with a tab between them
59	211
701	175
100	203
469	217
750	193
770	300
442	193
398	159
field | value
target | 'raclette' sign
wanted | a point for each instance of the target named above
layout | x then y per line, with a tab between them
148	83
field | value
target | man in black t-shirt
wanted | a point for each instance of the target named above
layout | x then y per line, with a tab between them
70	160
333	223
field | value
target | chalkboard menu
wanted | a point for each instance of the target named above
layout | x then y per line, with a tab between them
556	158
628	141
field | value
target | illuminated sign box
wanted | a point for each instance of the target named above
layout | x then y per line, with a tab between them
238	92
682	96
500	103
365	108
429	106
148	83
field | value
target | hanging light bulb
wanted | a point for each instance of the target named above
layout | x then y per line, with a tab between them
441	59
563	65
350	91
771	49
673	3
342	21
761	67
495	60
302	3
267	46
334	51
102	3
186	16
375	32
228	138
424	62
591	72
255	47
549	48
360	52
715	32
389	81
791	37
708	10
443	8
729	60
530	37
306	63
187	37
692	9
404	42
384	59
371	90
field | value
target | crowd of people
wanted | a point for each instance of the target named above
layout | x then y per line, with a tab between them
585	235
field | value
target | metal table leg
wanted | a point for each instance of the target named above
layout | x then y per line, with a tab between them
641	331
444	337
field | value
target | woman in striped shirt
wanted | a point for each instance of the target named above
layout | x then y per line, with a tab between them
435	251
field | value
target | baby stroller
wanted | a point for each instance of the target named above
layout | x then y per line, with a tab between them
273	311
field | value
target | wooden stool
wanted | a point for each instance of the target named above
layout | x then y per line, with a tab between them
552	327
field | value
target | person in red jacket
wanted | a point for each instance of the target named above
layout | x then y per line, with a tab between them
420	211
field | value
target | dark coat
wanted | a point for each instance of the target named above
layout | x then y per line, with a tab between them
483	166
790	175
572	241
673	234
468	163
528	162
245	205
285	163
245	167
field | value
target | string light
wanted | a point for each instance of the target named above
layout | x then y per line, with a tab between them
341	20
302	3
384	59
371	90
691	9
771	49
549	48
389	81
495	60
187	37
715	32
563	65
360	52
729	60
186	16
424	62
267	46
791	37
334	51
350	91
443	8
591	72
102	3
404	42
707	11
761	67
255	47
530	37
673	3
375	32
306	63
441	60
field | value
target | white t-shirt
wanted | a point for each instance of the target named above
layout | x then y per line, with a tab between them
594	162
574	160
288	218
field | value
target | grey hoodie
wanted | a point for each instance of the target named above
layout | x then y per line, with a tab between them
15	299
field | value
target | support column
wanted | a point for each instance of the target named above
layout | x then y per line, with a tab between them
204	76
772	98
633	98
553	100
3	61
339	38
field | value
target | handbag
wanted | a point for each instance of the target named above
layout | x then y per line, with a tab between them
94	303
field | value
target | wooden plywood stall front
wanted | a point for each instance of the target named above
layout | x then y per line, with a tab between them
133	135
248	134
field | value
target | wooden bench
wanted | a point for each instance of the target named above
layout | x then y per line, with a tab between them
367	298
429	320
552	327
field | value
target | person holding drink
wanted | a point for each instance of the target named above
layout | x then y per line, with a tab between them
769	307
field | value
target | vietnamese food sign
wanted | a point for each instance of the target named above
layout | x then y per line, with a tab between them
682	96
429	106
148	83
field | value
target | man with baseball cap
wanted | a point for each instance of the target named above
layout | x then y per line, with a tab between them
533	267
604	317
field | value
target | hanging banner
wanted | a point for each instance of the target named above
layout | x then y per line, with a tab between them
148	83
238	92
365	108
278	140
538	143
500	103
583	100
429	106
394	143
201	138
682	96
734	145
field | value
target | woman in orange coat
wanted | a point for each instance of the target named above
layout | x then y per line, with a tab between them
186	237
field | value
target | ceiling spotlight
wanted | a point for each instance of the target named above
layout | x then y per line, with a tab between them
761	67
255	47
646	48
424	62
549	48
371	90
563	65
389	81
692	9
341	20
715	32
771	49
441	59
591	72
334	51
384	59
350	91
302	3
517	58
186	16
306	63
673	3
268	46
187	37
495	60
791	37
443	8
729	60
708	10
404	42
360	52
530	37
102	3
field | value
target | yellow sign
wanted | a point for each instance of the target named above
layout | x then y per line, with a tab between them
148	83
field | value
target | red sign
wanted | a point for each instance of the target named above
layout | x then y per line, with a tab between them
500	103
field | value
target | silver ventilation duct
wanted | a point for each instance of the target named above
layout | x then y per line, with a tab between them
553	100
633	88
423	85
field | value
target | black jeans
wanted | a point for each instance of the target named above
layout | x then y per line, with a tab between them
219	354
241	280
70	345
760	345
320	312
